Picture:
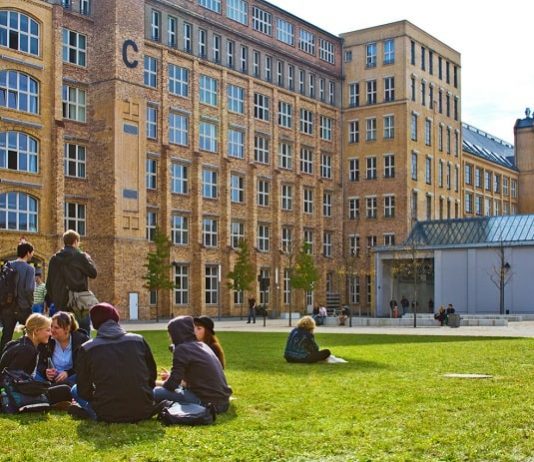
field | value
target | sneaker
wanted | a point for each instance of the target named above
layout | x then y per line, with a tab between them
158	407
61	406
78	412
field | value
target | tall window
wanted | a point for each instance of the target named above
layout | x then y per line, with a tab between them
216	49
370	55
354	169
211	284
178	129
202	43
19	91
371	168
389	166
389	127
326	166
150	74
354	208
285	156
74	47
179	179
179	229
285	114
263	237
389	89
284	31
261	149
306	161
371	207
209	184
171	31
413	127
19	32
236	99
428	132
354	131
327	204
209	232
261	21
307	200
208	137
389	206
74	160
326	128
188	37
18	151
151	173
262	197
237	188
236	143
178	81
74	104
414	166
354	94
326	51
151	122
261	107
155	25
208	90
370	129
306	121
371	92
181	284
151	223
389	51
237	10
287	238
237	233
307	41
75	217
327	244
428	170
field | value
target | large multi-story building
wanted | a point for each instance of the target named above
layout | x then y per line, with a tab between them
218	120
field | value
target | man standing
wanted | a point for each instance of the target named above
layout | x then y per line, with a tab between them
21	307
39	294
69	269
116	372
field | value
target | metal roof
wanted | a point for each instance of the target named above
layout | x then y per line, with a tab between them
508	229
486	146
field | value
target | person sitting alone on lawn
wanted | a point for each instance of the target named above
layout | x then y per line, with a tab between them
301	346
204	332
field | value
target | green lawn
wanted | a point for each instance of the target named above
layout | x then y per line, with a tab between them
389	403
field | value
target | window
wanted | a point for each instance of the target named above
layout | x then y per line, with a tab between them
150	73
178	129
370	129
371	92
371	168
151	122
285	156
354	131
213	5
151	223
456	142
505	186
211	284
370	55
429	207
263	237
151	173
74	160
262	197
354	208
237	10
308	239
236	99
243	59
306	121
431	96
478	177
389	239
19	32
423	93
256	70
208	137
430	62
456	178
307	42
468	174
188	36
414	205
354	169
286	197
354	94
302	88
155	25
412	52
326	51
389	89
19	91
389	51
326	128
326	166
414	166
237	188
178	81
306	161
389	206
171	31
440	101
261	107
181	284
447	72
423	58
236	143
74	47
389	127
74	217
448	104
428	170
327	244
290	77
354	290
327	204
311	85
371	206
389	166
209	184
287	287
74	103
209	232
19	152
261	149
321	89
208	90
307	200
412	87
448	176
179	179
478	205
237	233
18	211
261	21
284	31
440	137
347	56
216	48
285	114
287	238
179	229
487	181
456	104
268	68
413	127
428	132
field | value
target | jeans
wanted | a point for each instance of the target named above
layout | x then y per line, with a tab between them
71	379
185	396
314	357
38	308
251	315
83	404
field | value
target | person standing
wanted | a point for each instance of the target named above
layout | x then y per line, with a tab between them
39	294
69	269
404	304
21	307
251	310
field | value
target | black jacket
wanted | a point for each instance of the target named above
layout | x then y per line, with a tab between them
196	364
68	269
79	337
19	354
116	373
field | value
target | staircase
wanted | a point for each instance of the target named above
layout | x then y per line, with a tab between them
333	303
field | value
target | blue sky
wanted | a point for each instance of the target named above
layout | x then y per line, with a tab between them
492	36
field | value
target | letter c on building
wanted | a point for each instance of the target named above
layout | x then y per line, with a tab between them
129	44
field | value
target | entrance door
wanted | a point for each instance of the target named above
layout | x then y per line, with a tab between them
133	303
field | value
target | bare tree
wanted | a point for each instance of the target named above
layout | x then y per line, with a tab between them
501	276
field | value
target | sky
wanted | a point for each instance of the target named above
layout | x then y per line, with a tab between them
493	37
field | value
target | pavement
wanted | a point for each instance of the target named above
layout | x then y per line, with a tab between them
514	329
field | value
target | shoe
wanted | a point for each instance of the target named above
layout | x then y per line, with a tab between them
77	412
158	407
248	322
61	406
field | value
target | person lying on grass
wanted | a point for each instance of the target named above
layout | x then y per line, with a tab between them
196	375
301	346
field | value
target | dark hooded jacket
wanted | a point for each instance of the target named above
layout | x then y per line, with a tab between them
195	363
68	269
116	373
19	354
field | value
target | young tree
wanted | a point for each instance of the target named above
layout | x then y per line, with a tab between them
304	274
243	274
501	276
158	266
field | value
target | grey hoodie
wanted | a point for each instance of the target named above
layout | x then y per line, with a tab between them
196	364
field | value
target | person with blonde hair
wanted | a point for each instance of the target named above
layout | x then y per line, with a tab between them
301	346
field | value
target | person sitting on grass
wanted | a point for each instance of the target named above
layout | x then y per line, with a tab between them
196	375
204	332
301	346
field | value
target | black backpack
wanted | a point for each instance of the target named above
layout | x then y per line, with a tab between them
187	414
8	285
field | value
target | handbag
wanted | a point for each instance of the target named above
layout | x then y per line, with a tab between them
81	302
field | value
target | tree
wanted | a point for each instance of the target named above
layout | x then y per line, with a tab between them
304	274
243	274
158	266
501	276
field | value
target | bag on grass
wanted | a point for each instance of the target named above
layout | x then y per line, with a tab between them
187	414
23	393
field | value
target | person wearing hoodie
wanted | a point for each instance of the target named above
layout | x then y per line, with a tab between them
69	268
116	372
196	375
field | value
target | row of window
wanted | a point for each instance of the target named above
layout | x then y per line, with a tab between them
371	130
427	62
371	53
371	92
371	207
83	6
480	205
487	180
443	101
372	241
444	134
445	175
262	21
429	209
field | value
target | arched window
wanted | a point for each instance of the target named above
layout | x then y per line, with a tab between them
18	211
19	91
19	32
18	151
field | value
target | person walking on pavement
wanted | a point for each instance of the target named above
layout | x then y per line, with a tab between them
251	310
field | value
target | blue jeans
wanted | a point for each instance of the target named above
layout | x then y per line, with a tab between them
185	396
38	308
83	404
71	379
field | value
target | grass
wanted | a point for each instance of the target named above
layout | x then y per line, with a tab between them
391	402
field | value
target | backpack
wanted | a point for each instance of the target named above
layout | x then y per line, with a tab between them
187	414
22	393
9	278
